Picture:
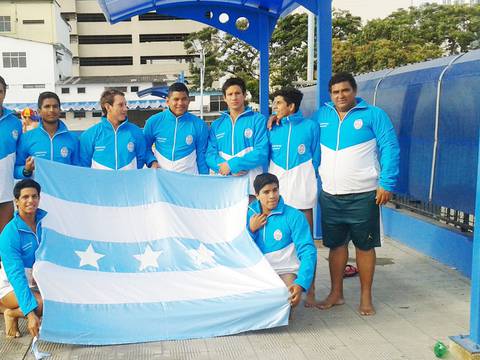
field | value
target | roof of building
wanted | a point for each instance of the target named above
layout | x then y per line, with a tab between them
127	79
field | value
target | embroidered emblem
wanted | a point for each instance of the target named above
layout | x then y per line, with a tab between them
64	152
301	149
358	124
277	235
130	146
248	133
189	140
15	134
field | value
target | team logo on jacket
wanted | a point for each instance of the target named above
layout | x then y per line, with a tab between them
301	149
189	140
358	124
130	146
64	152
15	134
277	235
248	133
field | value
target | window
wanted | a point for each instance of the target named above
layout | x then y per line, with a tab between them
119	88
79	114
165	58
106	61
217	103
81	90
105	39
34	86
93	17
5	24
154	16
162	37
65	90
29	22
96	113
14	59
191	98
133	88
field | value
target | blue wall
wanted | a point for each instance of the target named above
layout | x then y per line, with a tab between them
442	243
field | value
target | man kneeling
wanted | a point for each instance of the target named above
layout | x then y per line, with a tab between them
19	240
282	233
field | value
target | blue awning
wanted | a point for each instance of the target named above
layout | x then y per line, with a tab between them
92	105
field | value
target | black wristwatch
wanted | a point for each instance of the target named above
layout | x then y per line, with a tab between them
27	173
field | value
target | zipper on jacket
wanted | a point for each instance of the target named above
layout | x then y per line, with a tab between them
288	139
174	139
51	140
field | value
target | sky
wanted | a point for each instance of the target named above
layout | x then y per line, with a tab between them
370	9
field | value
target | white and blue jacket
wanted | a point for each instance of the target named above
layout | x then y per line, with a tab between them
103	147
10	131
358	153
18	244
180	142
62	147
243	144
294	159
286	242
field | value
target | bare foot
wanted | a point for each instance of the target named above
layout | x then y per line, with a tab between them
330	301
310	301
11	325
366	310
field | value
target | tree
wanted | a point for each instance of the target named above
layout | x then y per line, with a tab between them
406	36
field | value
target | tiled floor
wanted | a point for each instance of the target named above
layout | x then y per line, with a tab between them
418	301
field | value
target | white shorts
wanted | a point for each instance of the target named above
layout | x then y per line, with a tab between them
6	287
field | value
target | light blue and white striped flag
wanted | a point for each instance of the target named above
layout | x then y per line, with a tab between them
144	255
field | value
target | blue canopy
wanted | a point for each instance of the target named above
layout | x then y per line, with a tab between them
231	16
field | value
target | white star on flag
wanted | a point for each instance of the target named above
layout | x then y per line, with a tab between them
89	257
148	258
202	255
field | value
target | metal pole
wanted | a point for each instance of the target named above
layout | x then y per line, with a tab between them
202	79
324	49
264	66
311	45
475	284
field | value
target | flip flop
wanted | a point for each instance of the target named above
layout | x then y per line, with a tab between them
350	271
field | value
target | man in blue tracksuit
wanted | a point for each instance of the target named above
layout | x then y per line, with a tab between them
19	295
359	170
114	143
295	157
50	140
282	233
238	142
10	131
180	137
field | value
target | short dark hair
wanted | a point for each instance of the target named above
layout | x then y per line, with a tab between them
234	81
341	77
262	180
47	95
291	96
178	86
23	184
107	97
3	83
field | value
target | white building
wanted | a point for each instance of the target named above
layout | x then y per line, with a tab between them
34	48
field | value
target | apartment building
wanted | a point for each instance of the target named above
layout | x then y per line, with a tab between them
34	48
149	44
